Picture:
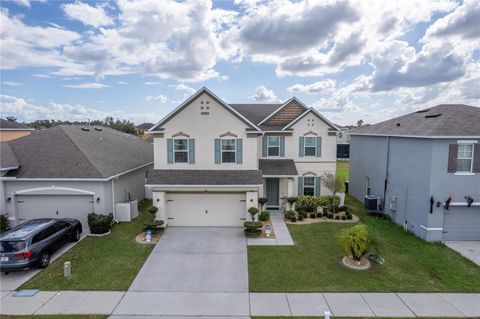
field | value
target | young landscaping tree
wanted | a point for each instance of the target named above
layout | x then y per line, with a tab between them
355	241
291	201
334	184
262	201
253	211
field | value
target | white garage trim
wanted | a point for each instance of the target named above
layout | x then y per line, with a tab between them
37	191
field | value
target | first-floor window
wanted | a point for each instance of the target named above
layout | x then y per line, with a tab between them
180	150
465	157
309	186
368	187
310	146
228	150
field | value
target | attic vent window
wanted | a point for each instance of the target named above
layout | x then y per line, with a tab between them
98	129
432	116
423	111
85	129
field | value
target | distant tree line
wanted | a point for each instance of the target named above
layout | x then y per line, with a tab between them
117	124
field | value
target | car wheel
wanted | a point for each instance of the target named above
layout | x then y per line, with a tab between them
76	235
44	260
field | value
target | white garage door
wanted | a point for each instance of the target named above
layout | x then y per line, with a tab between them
202	209
461	223
55	206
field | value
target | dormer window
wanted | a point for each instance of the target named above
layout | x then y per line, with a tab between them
180	150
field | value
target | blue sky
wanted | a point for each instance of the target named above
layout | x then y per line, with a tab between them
139	59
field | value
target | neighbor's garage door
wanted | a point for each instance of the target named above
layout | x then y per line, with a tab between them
462	223
55	206
206	209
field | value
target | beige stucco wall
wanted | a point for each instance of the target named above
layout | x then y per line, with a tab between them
6	136
204	129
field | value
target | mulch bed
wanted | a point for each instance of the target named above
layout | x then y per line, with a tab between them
363	264
140	238
272	232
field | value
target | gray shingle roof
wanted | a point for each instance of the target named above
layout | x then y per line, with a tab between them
145	126
277	167
68	151
7	158
440	120
203	177
5	124
255	113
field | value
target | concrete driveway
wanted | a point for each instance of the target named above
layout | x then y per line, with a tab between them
192	271
468	249
13	280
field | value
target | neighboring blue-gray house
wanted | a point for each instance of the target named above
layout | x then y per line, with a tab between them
425	167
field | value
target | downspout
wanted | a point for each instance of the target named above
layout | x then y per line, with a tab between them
113	201
385	186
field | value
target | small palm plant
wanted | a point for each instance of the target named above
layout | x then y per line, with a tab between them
355	241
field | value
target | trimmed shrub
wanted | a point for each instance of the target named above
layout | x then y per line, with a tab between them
330	216
304	214
313	215
293	219
262	201
307	203
99	224
342	208
253	229
3	223
253	211
344	218
289	214
300	217
337	217
319	215
264	216
349	217
153	210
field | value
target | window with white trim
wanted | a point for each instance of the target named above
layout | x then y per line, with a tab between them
309	185
465	158
180	150
310	146
273	145
229	148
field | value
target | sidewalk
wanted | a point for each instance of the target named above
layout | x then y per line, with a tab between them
253	304
282	235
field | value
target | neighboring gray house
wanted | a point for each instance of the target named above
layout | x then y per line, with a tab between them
425	166
70	171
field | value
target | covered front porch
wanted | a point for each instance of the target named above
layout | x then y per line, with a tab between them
278	181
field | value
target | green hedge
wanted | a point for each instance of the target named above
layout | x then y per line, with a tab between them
311	203
99	224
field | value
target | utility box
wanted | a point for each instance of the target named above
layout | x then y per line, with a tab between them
372	203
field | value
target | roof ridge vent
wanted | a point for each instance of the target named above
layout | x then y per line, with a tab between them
432	115
85	129
423	111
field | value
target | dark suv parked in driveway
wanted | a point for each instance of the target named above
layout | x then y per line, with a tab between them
32	243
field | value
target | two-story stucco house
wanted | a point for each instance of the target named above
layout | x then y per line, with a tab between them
213	160
425	167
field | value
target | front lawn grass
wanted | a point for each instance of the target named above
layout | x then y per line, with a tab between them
99	263
314	263
343	169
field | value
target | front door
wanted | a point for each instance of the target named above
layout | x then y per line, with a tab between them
272	190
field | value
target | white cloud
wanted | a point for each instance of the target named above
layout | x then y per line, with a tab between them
26	111
93	85
262	94
158	98
26	3
122	82
152	83
313	88
11	83
42	76
183	87
88	15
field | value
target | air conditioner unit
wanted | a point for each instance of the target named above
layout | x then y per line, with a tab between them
372	203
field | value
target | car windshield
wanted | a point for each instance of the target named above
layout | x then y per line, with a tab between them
11	246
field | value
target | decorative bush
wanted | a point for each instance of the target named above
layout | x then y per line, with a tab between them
342	208
344	218
291	201
307	203
300	217
253	211
335	184
153	210
99	224
289	214
313	215
319	215
264	216
330	216
304	214
337	217
349	217
3	223
293	219
253	228
355	241
262	201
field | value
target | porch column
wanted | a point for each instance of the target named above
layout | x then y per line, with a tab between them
290	187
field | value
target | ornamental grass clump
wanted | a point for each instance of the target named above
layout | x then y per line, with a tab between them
355	241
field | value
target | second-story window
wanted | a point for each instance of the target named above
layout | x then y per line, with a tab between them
465	158
228	150
180	150
310	145
273	145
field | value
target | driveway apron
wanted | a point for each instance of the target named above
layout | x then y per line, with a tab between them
192	271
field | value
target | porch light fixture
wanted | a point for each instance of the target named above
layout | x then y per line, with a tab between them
9	199
98	199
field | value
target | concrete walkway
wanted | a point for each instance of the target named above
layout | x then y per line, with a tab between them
243	305
282	235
